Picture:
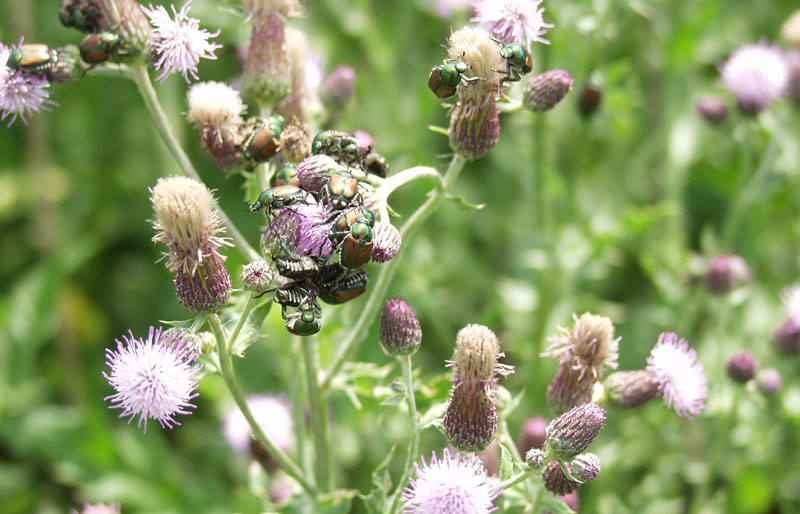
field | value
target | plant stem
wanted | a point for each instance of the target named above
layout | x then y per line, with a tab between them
226	366
140	76
515	480
413	428
297	395
378	291
323	465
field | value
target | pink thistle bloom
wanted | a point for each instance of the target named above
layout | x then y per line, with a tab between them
513	21
680	379
151	379
757	75
272	415
453	485
21	92
178	44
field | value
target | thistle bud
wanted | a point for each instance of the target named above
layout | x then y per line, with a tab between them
585	352
556	481
475	119
532	435
208	289
256	276
535	458
400	331
386	239
314	171
742	366
712	108
629	389
296	141
126	19
183	340
724	273
769	381
546	90
216	109
338	88
267	71
585	467
69	67
787	337
571	433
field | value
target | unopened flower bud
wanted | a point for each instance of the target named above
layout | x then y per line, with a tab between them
267	71
571	433
787	337
386	239
769	381
338	88
532	435
712	108
208	289
208	343
69	67
556	481
296	141
742	366
725	272
535	458
585	467
126	19
546	90
183	339
629	389
400	331
256	276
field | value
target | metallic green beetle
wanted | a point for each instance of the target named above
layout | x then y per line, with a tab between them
297	267
97	48
445	78
34	57
80	14
306	320
341	190
286	175
344	223
376	164
277	197
340	145
264	139
344	290
518	61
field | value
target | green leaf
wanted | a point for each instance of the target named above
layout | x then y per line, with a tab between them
375	501
338	502
251	331
432	415
506	463
394	399
439	130
556	506
462	203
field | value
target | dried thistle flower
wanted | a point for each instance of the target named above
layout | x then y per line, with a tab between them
216	109
296	141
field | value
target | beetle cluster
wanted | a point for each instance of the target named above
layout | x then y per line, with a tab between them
445	78
320	232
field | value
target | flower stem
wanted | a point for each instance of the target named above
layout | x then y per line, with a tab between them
323	465
141	78
378	291
226	366
515	480
297	395
413	428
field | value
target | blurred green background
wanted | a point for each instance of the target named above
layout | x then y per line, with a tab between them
631	204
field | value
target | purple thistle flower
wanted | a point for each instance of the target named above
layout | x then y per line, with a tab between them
742	366
273	416
387	242
178	44
315	225
513	21
725	272
151	379
314	171
757	75
680	377
21	92
787	337
450	485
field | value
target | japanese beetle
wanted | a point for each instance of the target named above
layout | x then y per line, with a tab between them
277	197
294	294
344	290
263	141
518	61
339	145
81	14
376	164
34	57
286	175
340	190
97	48
306	321
356	248
445	78
344	223
297	268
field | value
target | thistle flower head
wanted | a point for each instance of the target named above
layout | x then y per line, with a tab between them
571	433
126	19
207	289
178	44
725	272
513	21
217	109
21	92
791	303
315	225
450	485
680	378
303	90
273	416
535	458
769	381
69	67
296	141
556	481
476	355
187	222
267	67
589	348
387	242
546	90
757	75
629	389
470	421
787	337
532	434
583	468
338	88
400	331
712	108
742	366
314	171
256	276
151	380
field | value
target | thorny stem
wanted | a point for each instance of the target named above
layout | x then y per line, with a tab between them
226	367
140	76
378	292
323	464
413	428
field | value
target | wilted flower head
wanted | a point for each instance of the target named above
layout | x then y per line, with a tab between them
296	141
546	90
177	45
217	109
400	331
21	92
151	379
273	416
571	433
476	355
725	272
585	352
387	242
712	108
757	75
769	381
680	378
742	366
791	303
513	21
450	485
